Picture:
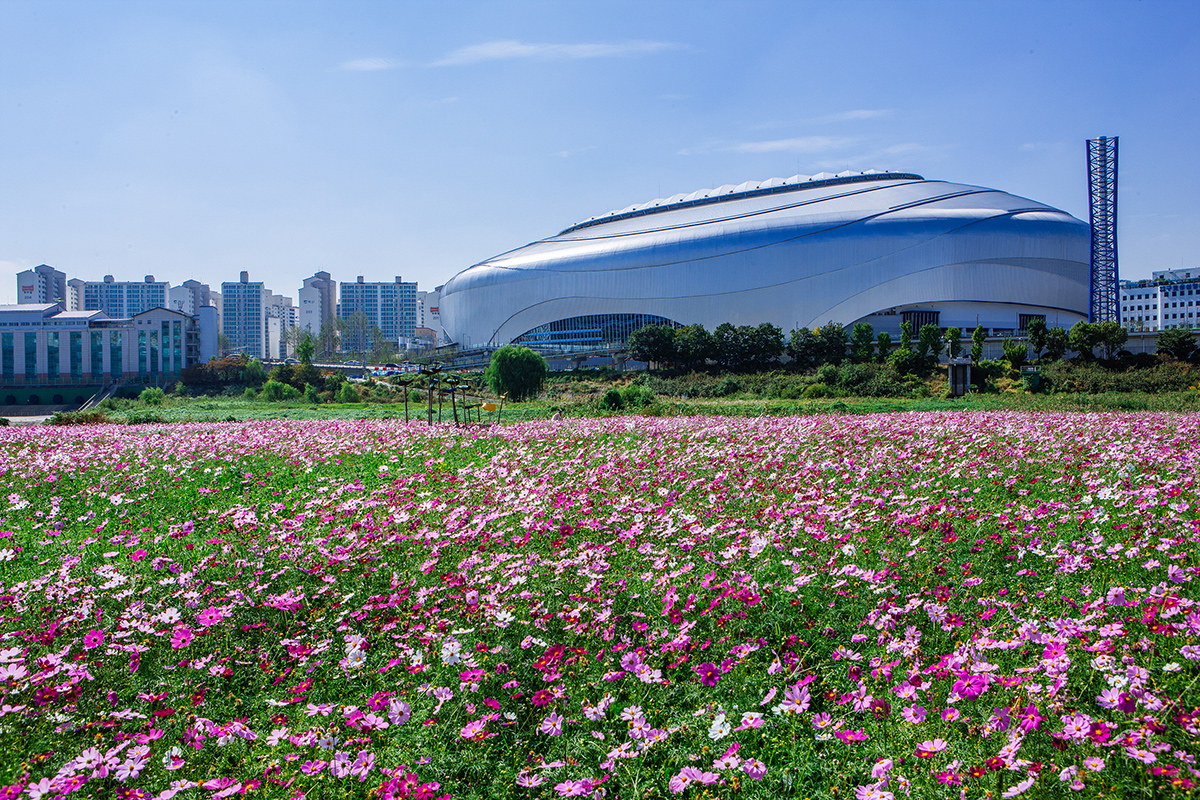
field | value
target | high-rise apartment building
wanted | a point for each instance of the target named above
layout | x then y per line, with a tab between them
244	315
121	299
392	307
42	284
282	318
318	302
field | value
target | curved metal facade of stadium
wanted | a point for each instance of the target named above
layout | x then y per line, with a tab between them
796	252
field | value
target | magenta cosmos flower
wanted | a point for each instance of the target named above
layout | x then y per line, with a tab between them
93	639
708	673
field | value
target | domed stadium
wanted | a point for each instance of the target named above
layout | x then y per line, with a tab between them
873	247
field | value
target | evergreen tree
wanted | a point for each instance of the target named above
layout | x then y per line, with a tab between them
1037	331
953	342
977	337
803	348
862	343
1057	342
653	343
884	346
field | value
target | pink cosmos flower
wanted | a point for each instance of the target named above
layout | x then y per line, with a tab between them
754	769
93	639
573	788
138	555
969	687
363	765
1144	756
210	616
930	747
312	767
1030	719
914	714
530	780
182	637
796	699
475	729
552	725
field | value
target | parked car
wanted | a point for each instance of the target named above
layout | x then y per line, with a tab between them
291	361
353	363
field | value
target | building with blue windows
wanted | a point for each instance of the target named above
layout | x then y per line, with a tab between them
49	356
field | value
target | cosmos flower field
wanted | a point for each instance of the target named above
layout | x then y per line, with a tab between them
925	605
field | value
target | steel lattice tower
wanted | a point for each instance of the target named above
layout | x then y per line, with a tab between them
1102	193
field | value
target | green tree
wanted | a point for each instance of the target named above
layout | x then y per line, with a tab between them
653	343
1015	352
764	345
953	342
977	337
1037	331
862	343
693	345
906	334
306	348
327	338
1178	343
804	348
382	350
355	332
884	345
1113	337
224	345
517	371
832	339
731	345
1083	338
930	343
1057	342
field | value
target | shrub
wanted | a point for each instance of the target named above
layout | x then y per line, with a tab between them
310	394
517	371
347	393
612	400
143	418
726	387
816	390
1093	378
91	417
274	392
152	396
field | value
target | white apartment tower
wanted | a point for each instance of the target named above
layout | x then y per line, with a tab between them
42	284
121	299
318	302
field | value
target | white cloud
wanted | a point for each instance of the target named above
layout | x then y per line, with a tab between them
368	64
510	49
802	144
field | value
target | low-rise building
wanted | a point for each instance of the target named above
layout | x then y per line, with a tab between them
1169	299
47	352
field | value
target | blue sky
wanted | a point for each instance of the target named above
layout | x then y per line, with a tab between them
199	139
